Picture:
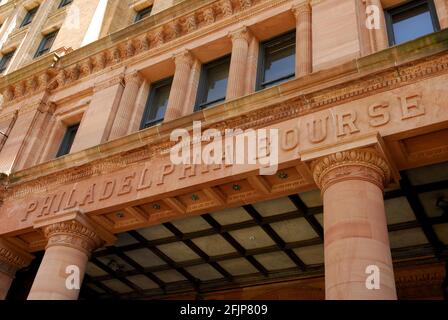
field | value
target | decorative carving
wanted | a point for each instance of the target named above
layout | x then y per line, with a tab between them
99	62
184	57
245	4
209	15
12	259
226	7
73	73
242	33
190	23
85	68
361	164
158	38
174	29
72	234
130	49
304	8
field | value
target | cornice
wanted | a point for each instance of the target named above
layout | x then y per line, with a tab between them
146	35
267	107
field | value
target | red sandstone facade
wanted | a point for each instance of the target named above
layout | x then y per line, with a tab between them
357	115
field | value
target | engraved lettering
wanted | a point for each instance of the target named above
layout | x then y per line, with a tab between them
346	120
411	106
380	114
317	130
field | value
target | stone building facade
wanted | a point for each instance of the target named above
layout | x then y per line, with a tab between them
93	89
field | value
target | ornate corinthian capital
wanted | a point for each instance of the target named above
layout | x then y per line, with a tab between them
242	33
184	57
72	234
361	164
12	258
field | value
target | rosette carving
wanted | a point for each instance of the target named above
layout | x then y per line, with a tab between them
361	164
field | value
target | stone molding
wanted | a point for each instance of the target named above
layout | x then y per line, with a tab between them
157	36
362	164
292	108
184	57
12	258
302	8
243	33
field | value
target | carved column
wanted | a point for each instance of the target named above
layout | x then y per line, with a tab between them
125	109
355	225
378	37
12	259
70	244
179	88
238	63
304	45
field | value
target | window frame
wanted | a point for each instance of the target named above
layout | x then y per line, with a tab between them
64	3
144	124
29	16
260	83
40	51
67	140
389	13
4	65
140	13
202	88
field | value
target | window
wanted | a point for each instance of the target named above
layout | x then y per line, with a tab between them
143	13
67	141
46	44
6	59
63	3
277	61
213	83
411	20
29	16
157	102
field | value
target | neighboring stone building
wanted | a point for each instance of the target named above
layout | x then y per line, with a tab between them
92	89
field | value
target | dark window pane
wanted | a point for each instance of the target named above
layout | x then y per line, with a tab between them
213	83
67	141
157	103
63	3
278	61
6	59
143	13
411	20
46	44
29	17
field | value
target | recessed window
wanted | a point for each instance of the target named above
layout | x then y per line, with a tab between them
143	13
6	59
63	3
157	102
67	141
46	44
277	61
29	16
411	20
213	83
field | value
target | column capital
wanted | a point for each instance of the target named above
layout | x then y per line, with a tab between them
304	7
243	33
183	57
359	164
133	77
73	229
12	258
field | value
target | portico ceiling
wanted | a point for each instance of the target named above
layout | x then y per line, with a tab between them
261	242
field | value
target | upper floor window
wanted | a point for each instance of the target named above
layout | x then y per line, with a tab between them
46	43
213	83
63	3
6	59
67	141
141	14
277	61
29	16
411	20
156	104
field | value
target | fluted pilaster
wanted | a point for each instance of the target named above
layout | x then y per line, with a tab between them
304	49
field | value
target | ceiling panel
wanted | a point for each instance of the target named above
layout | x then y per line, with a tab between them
275	207
252	238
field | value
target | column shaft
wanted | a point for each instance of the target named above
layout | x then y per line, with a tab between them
11	260
355	227
126	106
179	88
238	63
304	49
378	37
62	269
